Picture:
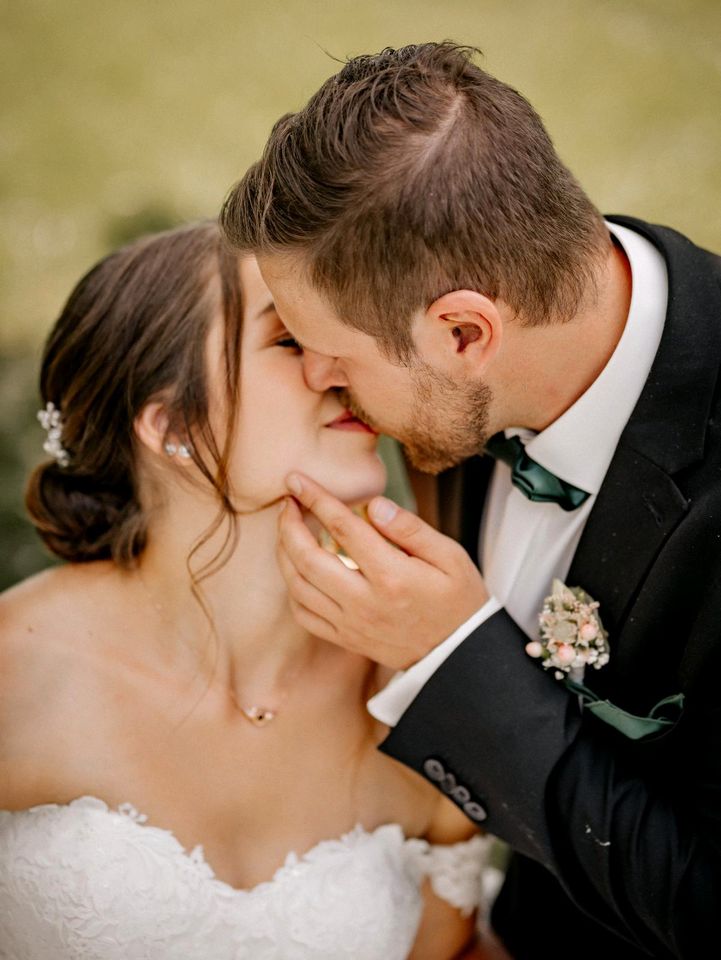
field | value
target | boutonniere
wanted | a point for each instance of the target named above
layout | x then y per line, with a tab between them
571	638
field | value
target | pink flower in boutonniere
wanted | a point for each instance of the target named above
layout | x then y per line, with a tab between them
571	635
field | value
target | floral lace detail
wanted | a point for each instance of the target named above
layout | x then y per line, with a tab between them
83	882
456	872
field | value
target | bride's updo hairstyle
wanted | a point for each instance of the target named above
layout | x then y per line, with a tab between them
134	330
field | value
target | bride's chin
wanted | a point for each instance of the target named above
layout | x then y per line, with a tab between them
355	491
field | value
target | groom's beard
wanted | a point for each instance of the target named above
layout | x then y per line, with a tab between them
448	423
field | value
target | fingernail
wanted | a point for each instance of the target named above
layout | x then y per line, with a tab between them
293	483
382	510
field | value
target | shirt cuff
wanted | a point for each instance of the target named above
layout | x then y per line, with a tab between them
391	703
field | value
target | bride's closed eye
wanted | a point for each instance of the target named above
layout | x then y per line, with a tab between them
289	343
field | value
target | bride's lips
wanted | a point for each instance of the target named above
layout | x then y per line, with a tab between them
346	421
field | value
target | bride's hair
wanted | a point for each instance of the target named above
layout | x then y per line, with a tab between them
134	329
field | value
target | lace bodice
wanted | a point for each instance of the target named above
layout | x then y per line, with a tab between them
84	882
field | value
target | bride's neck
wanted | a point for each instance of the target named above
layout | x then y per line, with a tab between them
253	636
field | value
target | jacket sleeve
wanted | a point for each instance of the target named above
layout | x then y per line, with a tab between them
631	830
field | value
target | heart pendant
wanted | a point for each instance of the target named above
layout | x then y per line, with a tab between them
259	716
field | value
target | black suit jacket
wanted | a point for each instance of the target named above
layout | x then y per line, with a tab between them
617	842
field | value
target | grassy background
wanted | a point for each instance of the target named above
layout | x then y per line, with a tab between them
118	118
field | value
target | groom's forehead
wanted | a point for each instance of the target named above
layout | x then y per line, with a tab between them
291	287
302	308
310	316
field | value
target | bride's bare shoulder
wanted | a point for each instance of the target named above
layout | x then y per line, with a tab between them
47	652
45	621
51	603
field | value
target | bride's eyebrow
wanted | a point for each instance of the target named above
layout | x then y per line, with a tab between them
271	310
268	309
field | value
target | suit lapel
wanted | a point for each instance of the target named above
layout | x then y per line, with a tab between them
637	508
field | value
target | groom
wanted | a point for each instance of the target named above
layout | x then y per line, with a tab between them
439	265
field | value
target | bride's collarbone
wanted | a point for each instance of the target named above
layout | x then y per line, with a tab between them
82	723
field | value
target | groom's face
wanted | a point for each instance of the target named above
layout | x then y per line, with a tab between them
438	421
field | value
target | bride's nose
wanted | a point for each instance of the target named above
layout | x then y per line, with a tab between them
321	373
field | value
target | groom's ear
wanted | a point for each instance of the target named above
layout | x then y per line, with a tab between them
462	327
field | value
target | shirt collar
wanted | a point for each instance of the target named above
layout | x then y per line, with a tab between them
579	445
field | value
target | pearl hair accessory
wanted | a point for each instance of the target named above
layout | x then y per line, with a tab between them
51	421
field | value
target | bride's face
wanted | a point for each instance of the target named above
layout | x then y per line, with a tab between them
282	424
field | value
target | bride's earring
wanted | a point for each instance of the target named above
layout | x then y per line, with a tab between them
183	450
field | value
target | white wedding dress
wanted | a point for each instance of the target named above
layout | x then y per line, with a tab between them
83	882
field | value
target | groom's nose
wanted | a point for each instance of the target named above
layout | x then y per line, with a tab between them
321	373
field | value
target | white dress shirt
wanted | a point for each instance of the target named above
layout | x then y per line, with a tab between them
523	545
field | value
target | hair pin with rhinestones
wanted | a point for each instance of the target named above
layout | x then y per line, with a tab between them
52	422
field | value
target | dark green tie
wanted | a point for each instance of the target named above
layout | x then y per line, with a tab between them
533	480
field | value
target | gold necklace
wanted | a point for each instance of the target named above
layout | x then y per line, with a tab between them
256	714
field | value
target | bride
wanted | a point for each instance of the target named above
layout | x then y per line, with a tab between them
184	773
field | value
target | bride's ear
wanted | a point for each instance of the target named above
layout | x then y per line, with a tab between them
151	428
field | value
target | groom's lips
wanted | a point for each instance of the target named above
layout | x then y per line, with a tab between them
346	421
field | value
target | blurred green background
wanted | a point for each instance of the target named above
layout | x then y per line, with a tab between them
122	118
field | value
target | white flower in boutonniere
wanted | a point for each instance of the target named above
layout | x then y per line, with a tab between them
571	635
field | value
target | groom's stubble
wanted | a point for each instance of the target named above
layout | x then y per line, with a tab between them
448	422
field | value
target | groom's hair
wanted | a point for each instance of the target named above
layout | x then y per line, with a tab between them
409	174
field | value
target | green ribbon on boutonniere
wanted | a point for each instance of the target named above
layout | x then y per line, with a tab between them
661	716
572	638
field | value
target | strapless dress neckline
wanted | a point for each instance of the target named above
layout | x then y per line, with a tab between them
81	881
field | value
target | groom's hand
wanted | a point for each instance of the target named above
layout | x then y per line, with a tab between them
399	604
